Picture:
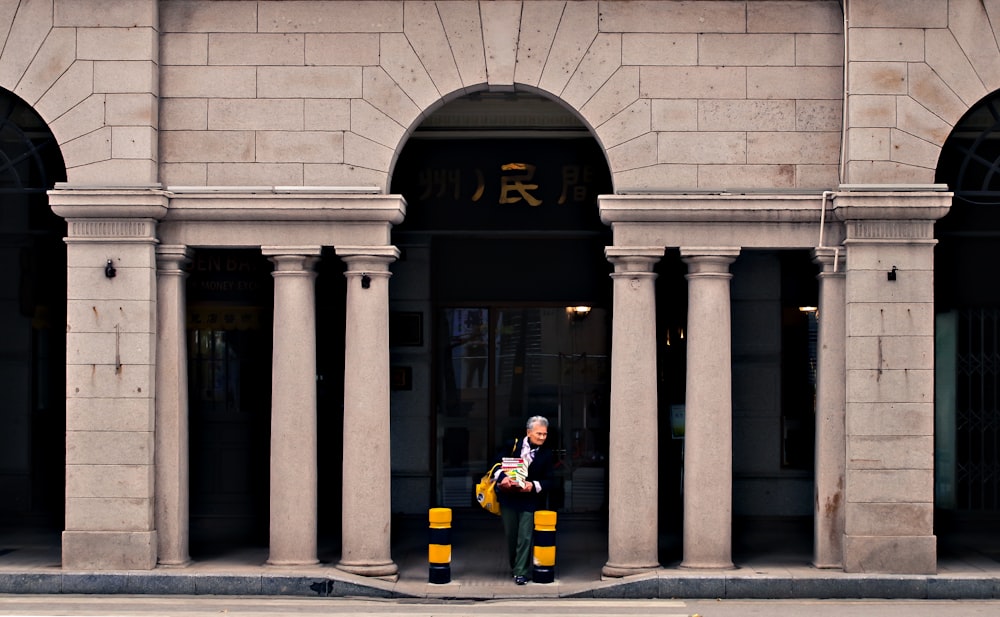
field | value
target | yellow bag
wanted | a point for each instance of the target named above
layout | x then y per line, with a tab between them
486	492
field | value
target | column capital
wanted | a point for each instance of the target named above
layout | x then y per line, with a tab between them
633	259
371	259
831	260
172	257
709	260
292	259
891	216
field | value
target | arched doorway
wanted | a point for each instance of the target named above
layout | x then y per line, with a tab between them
32	319
500	301
967	339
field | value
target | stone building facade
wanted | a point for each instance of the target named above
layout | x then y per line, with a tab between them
738	136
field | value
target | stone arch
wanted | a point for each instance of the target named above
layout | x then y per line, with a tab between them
966	312
33	311
554	49
55	59
927	83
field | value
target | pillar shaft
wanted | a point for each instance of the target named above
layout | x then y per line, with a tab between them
366	468
171	400
708	430
889	404
828	518
633	465
293	488
111	297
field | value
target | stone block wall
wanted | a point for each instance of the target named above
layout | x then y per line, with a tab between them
682	95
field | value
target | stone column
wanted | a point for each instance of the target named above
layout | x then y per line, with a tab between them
828	518
366	468
889	492
708	419
633	463
110	375
171	444
293	513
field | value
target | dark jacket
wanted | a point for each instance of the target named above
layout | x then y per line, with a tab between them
539	471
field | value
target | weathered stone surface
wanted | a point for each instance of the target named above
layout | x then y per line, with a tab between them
644	48
899	14
255	114
746	49
821	17
576	33
232	49
673	17
425	32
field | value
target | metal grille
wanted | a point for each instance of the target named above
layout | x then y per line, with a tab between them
977	413
28	151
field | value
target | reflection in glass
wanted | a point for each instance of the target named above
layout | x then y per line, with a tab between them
500	366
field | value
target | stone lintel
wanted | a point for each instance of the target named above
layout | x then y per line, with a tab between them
283	205
720	207
303	251
109	203
917	205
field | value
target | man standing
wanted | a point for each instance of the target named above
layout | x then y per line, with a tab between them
518	502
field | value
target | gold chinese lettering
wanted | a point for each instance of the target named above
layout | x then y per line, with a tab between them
574	183
438	182
517	184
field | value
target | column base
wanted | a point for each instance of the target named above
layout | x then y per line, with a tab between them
108	550
615	570
707	565
387	571
278	563
890	554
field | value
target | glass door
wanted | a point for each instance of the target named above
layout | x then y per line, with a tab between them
498	366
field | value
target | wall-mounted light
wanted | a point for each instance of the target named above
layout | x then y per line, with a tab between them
670	338
577	313
366	281
109	269
891	274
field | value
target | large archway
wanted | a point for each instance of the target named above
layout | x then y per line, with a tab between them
967	306
32	321
501	302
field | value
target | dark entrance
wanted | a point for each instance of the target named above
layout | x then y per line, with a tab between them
518	292
32	318
229	359
230	300
967	305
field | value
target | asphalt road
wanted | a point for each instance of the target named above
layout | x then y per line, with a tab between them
217	606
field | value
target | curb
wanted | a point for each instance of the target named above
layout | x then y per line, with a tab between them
655	585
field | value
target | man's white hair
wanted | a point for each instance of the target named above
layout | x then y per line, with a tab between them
537	419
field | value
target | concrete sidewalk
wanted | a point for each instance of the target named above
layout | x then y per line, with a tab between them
769	568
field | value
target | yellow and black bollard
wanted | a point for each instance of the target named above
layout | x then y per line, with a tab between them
439	546
544	570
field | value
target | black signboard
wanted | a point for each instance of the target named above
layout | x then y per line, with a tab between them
502	184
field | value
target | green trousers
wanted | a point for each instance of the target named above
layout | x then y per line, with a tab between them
519	528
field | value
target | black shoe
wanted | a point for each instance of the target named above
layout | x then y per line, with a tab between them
520	580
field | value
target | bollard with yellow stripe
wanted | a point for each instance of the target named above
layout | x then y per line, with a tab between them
544	570
439	546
